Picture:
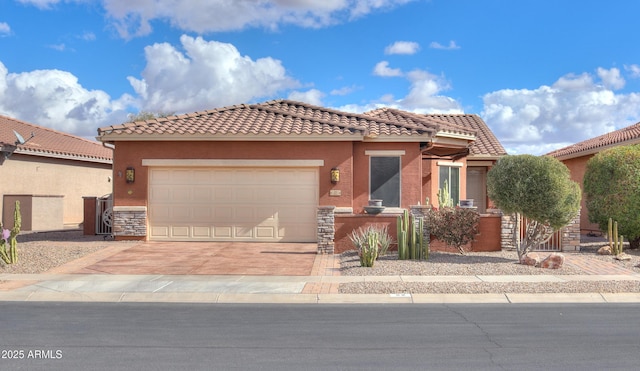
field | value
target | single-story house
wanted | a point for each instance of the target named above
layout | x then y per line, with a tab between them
49	172
576	156
263	172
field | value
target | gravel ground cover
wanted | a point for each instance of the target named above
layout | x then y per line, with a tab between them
40	251
476	264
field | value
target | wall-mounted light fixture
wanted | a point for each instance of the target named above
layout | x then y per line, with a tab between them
335	175
130	175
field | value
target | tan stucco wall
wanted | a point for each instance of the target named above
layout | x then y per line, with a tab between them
31	175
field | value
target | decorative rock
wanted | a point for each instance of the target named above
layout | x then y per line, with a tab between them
532	258
623	256
553	261
604	250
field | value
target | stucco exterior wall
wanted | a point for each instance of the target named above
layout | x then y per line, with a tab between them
32	175
351	191
578	166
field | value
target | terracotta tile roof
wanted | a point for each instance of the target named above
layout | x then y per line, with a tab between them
486	143
627	135
439	126
277	118
50	143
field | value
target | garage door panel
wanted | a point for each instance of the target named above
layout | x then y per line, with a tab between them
159	231
221	204
202	232
202	212
223	232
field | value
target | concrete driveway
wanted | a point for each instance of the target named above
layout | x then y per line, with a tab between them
211	258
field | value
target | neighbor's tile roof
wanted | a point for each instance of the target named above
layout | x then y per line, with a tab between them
279	117
51	143
486	142
627	134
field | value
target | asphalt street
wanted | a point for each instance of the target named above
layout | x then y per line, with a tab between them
152	336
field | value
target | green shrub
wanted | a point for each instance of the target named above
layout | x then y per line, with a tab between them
454	226
540	189
612	190
371	242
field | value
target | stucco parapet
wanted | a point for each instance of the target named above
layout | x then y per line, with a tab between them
327	207
343	210
139	209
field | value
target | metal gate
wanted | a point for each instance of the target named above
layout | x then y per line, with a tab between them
104	214
553	244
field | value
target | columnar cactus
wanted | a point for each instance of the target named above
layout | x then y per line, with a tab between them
9	236
615	241
411	242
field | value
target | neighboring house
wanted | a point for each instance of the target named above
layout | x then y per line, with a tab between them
261	172
49	172
576	156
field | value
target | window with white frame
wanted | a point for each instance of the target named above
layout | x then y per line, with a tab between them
449	172
384	180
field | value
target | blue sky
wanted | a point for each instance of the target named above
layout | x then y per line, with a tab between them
542	73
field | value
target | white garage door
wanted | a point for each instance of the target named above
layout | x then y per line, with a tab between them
224	204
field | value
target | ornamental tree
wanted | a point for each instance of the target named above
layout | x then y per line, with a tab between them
538	188
612	190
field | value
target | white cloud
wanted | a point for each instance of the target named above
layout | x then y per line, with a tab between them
382	69
87	36
452	45
55	99
633	70
402	47
4	29
205	74
133	17
42	4
573	109
58	47
611	78
313	96
424	96
346	90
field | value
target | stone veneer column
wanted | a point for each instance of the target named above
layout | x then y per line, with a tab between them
420	211
571	235
129	221
326	229
507	240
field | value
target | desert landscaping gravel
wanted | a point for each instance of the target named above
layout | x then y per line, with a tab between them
40	252
479	264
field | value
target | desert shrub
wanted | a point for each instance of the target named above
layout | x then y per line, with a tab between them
454	226
612	190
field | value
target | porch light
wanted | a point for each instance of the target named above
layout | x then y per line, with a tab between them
335	175
130	175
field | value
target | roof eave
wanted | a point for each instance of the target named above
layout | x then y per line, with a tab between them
112	138
594	150
63	156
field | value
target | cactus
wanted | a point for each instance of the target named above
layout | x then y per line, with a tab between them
411	242
444	198
11	256
615	242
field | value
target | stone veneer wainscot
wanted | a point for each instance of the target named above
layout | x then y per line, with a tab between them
130	221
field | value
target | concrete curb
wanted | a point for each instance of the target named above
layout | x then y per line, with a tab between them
278	289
